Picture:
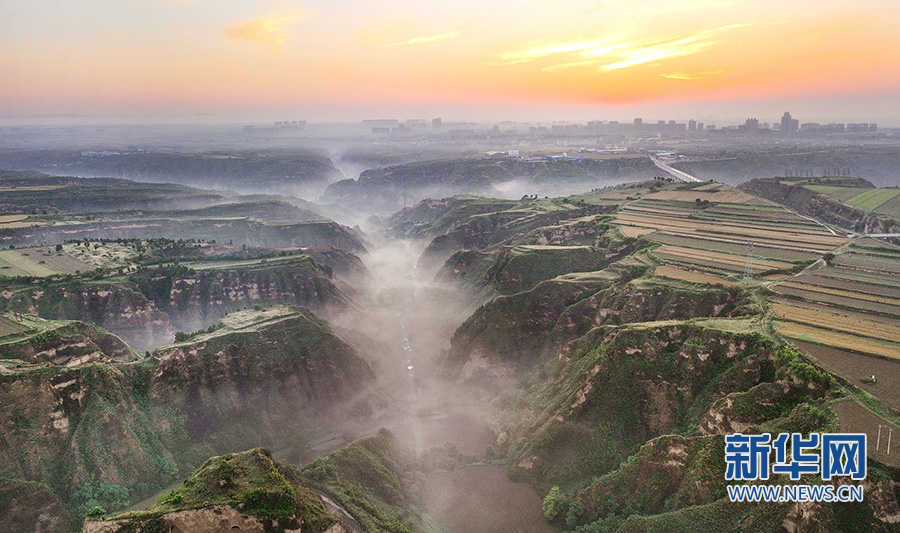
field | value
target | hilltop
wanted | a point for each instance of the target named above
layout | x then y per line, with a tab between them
390	188
249	491
852	204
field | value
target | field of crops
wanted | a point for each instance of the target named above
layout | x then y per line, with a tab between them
891	207
716	245
841	194
724	261
668	271
871	200
838	322
806	238
13	263
845	341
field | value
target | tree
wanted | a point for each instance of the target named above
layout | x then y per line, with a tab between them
59	247
556	503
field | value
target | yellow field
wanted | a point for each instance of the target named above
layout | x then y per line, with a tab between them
725	259
633	231
725	194
806	239
845	341
671	272
840	292
844	323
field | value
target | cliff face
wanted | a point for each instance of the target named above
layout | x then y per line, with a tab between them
148	307
615	389
258	371
248	232
512	333
118	307
106	432
61	343
30	507
87	433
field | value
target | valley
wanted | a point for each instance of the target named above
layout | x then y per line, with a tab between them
465	364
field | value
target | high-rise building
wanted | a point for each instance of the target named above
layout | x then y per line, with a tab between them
436	123
788	124
692	125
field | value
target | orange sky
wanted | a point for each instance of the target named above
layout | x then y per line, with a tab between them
346	57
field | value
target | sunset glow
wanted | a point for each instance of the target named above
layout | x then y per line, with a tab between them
235	56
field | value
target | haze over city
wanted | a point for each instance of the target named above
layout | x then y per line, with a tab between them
196	60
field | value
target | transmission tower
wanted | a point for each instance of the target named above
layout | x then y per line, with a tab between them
748	266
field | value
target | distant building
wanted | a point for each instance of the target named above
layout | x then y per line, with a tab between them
692	125
436	123
789	125
381	123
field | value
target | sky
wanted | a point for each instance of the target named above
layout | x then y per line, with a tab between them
467	59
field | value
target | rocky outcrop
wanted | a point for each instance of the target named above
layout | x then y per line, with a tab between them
101	434
516	331
246	491
62	343
147	308
258	370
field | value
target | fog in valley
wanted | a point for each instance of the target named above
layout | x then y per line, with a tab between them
535	314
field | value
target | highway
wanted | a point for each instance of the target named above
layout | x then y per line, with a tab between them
683	176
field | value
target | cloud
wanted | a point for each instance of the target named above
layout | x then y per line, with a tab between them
615	53
544	50
395	32
693	75
265	31
425	39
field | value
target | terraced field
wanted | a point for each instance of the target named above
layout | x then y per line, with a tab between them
723	261
708	227
847	315
693	276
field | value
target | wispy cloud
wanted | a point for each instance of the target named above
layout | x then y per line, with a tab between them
693	75
616	52
425	39
539	51
267	31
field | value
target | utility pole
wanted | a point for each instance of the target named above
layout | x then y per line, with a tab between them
890	432
748	267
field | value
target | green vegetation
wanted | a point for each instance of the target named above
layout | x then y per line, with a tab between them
251	482
375	480
872	200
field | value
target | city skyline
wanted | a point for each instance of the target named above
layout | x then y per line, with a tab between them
348	60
